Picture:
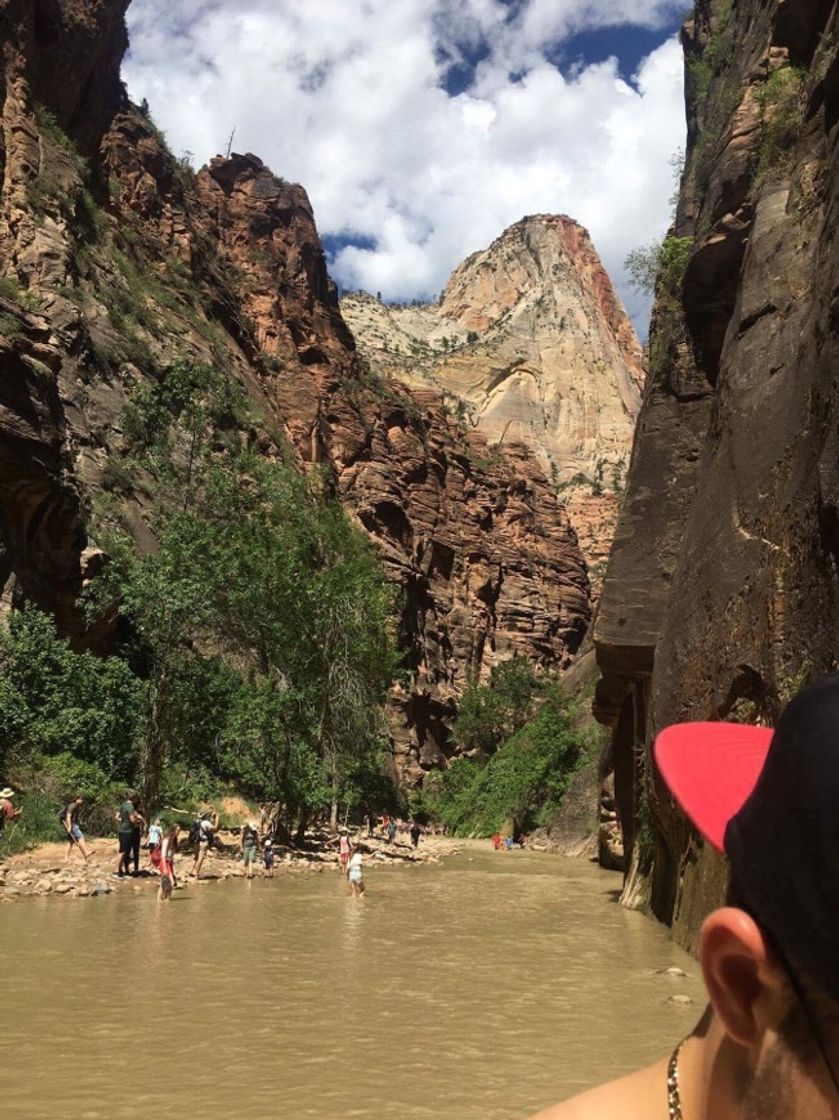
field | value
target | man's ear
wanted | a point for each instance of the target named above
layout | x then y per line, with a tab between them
744	981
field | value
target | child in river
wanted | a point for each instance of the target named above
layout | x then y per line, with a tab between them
355	873
153	842
268	857
168	848
343	850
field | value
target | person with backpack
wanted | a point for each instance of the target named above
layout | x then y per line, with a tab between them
202	835
69	818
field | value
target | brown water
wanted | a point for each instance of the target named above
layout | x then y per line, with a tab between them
480	989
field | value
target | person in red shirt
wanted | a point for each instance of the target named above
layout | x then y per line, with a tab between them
7	810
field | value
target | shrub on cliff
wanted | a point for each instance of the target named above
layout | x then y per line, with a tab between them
781	102
525	779
489	714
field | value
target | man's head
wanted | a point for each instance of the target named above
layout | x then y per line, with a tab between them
781	1031
771	958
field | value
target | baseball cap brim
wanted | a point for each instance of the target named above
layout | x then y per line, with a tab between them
711	769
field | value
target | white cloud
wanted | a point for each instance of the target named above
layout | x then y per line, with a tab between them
346	97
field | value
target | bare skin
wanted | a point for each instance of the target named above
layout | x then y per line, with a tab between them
736	1066
74	843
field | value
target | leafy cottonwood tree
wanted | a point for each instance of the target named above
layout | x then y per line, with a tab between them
253	561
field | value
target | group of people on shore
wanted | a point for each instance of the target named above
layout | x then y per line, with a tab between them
163	842
388	826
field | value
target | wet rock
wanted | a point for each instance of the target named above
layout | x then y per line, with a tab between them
680	1001
671	972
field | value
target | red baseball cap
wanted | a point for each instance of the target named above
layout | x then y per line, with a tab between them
711	769
770	801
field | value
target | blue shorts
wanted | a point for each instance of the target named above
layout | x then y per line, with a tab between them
355	876
76	833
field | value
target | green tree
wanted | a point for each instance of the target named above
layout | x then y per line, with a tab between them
255	561
54	701
491	713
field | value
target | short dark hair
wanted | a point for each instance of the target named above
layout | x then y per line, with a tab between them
796	1029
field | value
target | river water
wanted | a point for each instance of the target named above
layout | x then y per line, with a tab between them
478	989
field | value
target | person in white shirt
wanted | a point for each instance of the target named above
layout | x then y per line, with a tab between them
355	873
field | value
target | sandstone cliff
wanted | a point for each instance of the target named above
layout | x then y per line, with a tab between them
530	344
721	590
118	260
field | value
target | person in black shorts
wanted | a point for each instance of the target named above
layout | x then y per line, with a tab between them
137	830
127	819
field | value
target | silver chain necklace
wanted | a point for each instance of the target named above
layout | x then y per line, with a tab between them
674	1099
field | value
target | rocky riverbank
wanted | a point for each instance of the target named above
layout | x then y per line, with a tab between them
43	870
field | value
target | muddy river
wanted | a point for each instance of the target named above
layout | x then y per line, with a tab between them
478	989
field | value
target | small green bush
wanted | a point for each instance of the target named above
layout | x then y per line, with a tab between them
117	476
781	102
524	781
659	268
10	328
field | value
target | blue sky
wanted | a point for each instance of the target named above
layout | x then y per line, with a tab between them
421	129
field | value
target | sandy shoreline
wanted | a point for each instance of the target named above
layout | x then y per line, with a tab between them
43	871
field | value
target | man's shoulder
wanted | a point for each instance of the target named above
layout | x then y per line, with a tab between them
640	1096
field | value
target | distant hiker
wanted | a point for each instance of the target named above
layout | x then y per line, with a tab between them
137	828
202	834
355	873
343	850
127	818
250	839
496	841
268	856
416	832
391	830
7	810
69	818
168	848
153	843
370	818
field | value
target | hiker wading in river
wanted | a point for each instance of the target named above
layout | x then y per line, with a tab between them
767	1047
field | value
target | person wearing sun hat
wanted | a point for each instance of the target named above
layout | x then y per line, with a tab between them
767	1046
7	810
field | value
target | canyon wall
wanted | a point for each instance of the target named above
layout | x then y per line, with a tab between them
530	344
117	261
721	590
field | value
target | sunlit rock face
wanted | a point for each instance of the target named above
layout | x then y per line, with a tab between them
531	345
